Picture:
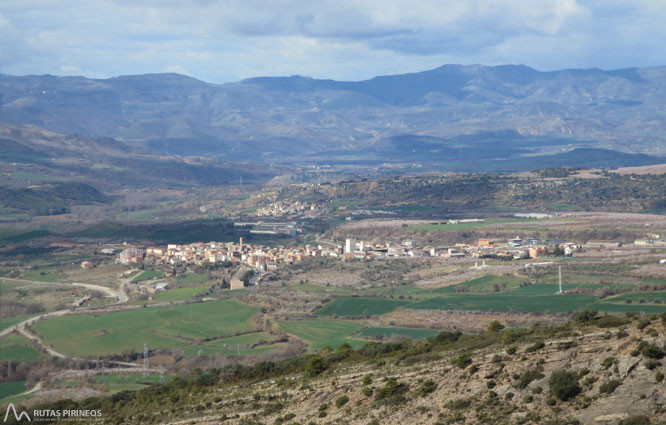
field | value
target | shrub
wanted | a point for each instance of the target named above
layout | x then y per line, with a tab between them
659	376
564	384
511	350
528	399
609	387
643	323
427	387
463	361
341	401
635	420
367	391
652	351
367	380
652	364
585	316
536	347
393	392
289	416
459	404
495	326
444	336
315	366
527	377
608	362
491	384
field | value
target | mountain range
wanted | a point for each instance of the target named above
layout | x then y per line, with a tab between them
438	117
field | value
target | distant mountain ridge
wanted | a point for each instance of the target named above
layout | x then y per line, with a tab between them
296	119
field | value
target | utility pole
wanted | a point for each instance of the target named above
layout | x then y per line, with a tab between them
559	272
145	358
103	383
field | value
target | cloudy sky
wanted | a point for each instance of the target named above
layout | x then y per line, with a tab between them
227	40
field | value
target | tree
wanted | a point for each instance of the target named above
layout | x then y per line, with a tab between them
315	366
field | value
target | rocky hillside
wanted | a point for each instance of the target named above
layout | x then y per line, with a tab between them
592	370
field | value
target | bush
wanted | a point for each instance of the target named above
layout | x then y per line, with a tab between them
635	420
527	377
495	326
315	366
536	347
367	391
564	384
609	387
463	361
427	387
341	401
652	351
585	316
459	404
393	392
608	362
444	337
643	323
367	380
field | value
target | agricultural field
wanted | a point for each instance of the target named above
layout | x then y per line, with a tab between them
500	294
191	278
387	332
179	294
17	348
348	307
320	333
11	388
159	327
148	274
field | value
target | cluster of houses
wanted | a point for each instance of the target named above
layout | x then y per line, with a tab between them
282	208
516	248
266	259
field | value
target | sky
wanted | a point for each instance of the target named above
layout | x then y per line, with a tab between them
228	40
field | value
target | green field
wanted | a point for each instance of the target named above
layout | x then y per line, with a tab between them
506	302
315	287
16	347
319	333
159	327
128	381
488	282
191	278
43	275
179	294
11	321
382	333
347	307
148	274
235	345
11	388
12	236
